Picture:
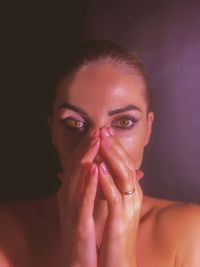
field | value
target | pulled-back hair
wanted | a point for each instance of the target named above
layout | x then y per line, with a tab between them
94	51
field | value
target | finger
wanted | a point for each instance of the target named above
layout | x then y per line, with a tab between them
115	156
82	166
76	184
139	175
60	176
108	133
70	193
83	155
132	203
110	190
87	201
91	153
89	157
85	149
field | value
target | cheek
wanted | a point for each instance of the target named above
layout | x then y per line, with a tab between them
134	145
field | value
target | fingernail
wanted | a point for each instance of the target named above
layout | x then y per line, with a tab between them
111	131
106	132
103	168
106	143
93	169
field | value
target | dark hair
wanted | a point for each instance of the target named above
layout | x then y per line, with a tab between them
93	51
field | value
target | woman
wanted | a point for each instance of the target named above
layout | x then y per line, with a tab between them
100	123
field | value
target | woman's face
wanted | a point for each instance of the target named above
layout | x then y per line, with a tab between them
100	95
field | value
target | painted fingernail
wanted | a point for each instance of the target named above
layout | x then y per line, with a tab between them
103	168
106	143
106	132
111	131
93	169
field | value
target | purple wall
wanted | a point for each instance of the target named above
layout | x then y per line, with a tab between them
166	35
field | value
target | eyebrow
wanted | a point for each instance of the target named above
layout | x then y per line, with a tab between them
74	108
124	109
110	113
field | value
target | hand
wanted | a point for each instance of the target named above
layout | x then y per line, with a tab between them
76	202
118	246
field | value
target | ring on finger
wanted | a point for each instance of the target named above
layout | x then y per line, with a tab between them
127	193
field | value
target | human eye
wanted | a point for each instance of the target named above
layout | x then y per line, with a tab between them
73	124
125	122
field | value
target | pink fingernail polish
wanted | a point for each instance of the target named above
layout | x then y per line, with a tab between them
106	132
111	131
103	168
106	143
93	169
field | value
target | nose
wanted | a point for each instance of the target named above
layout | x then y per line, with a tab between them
101	132
95	132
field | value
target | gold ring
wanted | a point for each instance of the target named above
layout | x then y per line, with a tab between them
129	192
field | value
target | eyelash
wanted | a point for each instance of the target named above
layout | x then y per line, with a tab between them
66	123
132	122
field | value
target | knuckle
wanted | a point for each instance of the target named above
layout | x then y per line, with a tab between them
130	180
116	199
86	202
130	177
82	228
83	223
81	232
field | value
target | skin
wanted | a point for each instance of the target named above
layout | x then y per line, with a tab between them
99	163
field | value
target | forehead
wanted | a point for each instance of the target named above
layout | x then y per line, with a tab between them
103	84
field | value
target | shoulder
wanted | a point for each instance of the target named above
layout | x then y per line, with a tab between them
12	239
21	224
171	211
179	216
179	224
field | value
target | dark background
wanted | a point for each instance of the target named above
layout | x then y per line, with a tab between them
35	37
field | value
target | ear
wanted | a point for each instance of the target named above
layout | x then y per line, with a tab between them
150	119
50	124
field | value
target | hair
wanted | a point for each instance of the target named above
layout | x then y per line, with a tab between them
94	51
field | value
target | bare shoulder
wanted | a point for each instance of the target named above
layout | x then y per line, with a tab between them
178	223
177	212
21	224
